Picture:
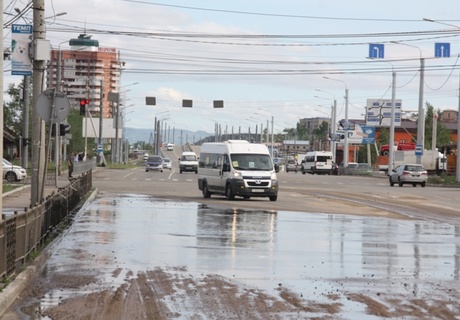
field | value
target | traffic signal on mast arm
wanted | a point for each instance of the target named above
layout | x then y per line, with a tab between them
83	103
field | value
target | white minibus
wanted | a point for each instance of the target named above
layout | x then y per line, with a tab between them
317	162
237	168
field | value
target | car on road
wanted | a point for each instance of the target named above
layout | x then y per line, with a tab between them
188	161
13	173
291	165
167	163
169	147
409	174
342	170
146	156
154	163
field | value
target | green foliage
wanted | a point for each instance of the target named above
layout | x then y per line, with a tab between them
384	136
13	109
443	135
77	143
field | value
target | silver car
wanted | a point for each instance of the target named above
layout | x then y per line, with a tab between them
409	173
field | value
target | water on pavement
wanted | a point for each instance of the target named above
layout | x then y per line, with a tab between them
312	254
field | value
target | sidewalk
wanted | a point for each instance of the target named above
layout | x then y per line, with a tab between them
19	198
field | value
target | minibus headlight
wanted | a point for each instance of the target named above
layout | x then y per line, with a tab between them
237	174
273	176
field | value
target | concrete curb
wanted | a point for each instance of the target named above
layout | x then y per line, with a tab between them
15	190
13	290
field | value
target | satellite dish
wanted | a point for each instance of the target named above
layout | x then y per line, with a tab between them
44	105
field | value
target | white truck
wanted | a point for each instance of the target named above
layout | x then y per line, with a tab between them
433	160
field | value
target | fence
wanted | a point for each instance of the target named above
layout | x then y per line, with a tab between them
23	233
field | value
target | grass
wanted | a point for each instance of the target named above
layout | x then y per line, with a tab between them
449	181
9	187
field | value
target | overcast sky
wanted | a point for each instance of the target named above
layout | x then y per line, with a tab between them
263	58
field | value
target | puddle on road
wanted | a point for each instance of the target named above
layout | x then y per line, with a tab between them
314	255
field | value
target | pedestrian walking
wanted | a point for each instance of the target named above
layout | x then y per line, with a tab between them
70	162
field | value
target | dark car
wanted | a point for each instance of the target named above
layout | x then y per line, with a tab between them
154	163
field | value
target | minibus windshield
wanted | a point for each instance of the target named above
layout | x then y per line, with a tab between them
252	162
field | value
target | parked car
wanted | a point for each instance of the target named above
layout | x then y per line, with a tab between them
362	169
167	163
154	163
409	173
13	173
342	170
146	156
291	165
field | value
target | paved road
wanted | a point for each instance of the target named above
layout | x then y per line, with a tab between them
313	193
136	253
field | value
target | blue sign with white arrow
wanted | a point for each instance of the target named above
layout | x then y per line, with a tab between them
442	50
376	51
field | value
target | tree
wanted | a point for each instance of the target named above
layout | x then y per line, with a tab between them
13	110
443	135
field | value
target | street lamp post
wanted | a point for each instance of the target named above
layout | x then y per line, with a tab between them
157	130
345	151
328	126
421	112
272	134
117	123
457	169
333	124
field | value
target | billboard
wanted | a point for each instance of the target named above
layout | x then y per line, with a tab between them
21	38
361	135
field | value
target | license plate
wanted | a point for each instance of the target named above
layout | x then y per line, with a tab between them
258	190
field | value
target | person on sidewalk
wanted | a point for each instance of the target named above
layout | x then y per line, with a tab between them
70	161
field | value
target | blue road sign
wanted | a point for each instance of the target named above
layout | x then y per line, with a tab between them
419	150
442	50
376	51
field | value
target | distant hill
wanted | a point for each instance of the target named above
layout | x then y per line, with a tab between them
180	136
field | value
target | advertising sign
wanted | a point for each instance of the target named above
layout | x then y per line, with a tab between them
361	135
21	37
378	112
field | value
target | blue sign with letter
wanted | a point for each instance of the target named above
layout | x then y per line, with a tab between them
376	51
442	50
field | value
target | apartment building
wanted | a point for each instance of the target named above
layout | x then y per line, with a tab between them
84	72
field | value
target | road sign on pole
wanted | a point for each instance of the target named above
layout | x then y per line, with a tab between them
376	51
442	50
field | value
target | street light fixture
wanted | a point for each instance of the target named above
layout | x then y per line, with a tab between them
457	171
345	151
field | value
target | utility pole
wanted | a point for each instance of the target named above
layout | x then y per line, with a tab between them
1	111
38	125
25	124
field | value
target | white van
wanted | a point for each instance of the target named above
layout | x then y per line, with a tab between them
317	162
188	161
237	168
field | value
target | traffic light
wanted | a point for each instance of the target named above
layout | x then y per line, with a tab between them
83	103
64	128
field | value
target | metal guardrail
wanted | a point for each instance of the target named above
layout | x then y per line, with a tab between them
22	233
